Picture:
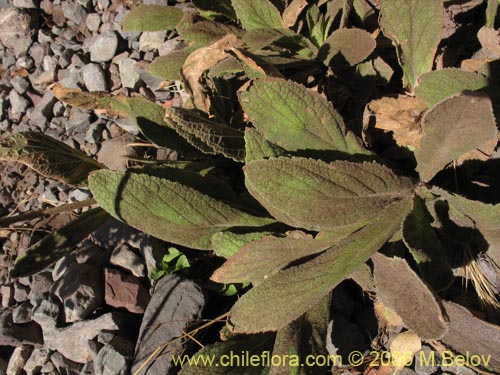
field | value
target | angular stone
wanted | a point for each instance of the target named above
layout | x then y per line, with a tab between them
114	358
22	313
115	233
18	104
80	290
93	21
125	257
19	84
175	304
151	40
64	365
37	359
78	122
12	334
93	77
129	73
40	284
104	47
90	255
74	12
15	31
43	109
7	295
18	359
125	291
26	4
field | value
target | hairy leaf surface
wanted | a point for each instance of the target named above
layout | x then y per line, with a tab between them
257	147
206	32
227	243
315	195
415	28
219	7
48	156
347	47
256	14
152	18
169	67
166	208
292	292
296	118
402	290
453	127
206	135
422	241
58	243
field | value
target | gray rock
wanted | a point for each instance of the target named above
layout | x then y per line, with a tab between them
18	359
175	304
104	47
90	255
88	369
93	77
113	152
422	368
42	112
128	125
40	284
12	334
152	251
18	104
46	312
123	256
78	122
170	46
151	40
93	21
129	74
80	290
70	78
37	52
74	12
64	365
25	62
49	369
7	295
27	4
58	109
20	292
115	233
114	358
19	84
22	313
37	359
15	30
79	195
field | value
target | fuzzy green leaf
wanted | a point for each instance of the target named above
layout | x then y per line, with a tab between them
292	292
168	67
216	8
58	243
167	209
49	157
227	243
152	18
207	32
422	241
257	260
453	127
415	28
257	148
347	47
403	291
206	135
315	195
437	85
296	118
260	38
254	345
257	14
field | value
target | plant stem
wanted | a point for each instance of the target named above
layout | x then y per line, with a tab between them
8	220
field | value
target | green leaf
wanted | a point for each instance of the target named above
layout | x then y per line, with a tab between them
227	243
422	241
206	32
438	85
257	14
347	47
403	291
169	67
292	292
49	157
258	39
58	243
152	18
257	260
491	13
306	336
415	27
207	135
219	7
315	195
296	118
167	209
257	147
452	128
238	347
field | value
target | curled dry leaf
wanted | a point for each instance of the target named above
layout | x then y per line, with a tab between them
397	118
198	62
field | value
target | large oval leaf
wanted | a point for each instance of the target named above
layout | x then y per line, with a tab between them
257	14
152	18
167	209
290	293
347	47
315	195
296	118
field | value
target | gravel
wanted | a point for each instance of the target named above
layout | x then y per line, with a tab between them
104	47
93	77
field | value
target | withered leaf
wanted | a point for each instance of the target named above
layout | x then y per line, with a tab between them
402	290
48	156
315	195
453	127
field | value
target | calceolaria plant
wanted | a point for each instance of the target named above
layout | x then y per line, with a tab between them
300	98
